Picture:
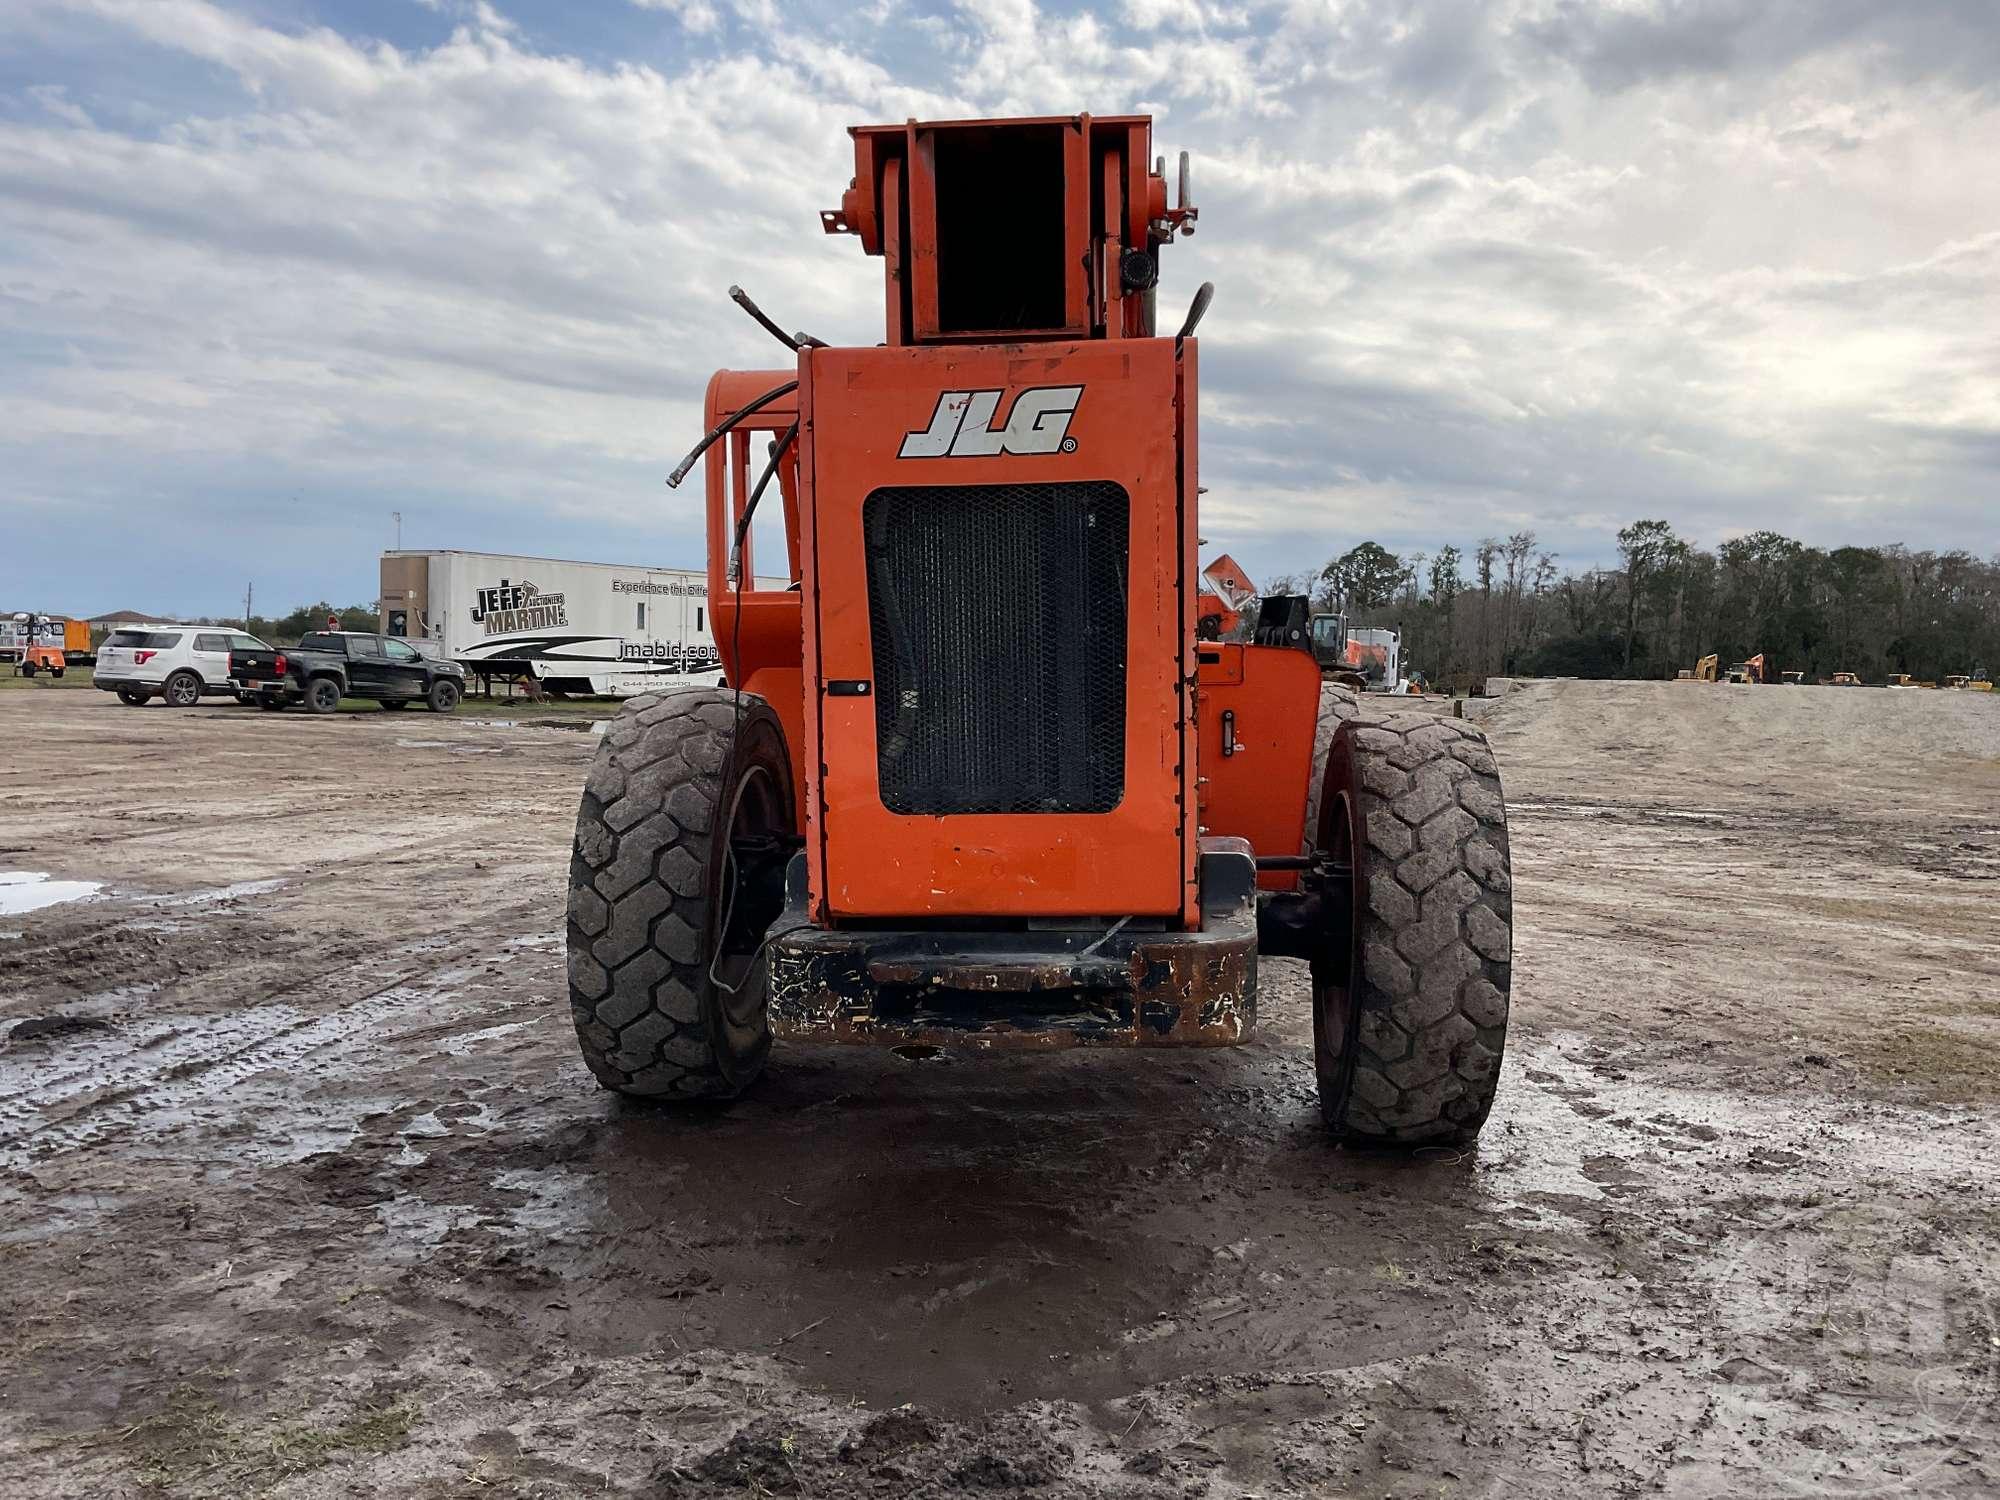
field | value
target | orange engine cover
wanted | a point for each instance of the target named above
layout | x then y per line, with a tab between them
997	557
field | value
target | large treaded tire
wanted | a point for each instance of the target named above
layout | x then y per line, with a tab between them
1337	704
1409	1031
650	887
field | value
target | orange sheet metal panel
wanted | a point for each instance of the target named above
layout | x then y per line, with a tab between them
762	651
1187	366
861	404
1266	698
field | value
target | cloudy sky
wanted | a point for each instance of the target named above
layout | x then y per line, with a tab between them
272	270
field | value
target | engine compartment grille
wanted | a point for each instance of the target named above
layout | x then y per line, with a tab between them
997	615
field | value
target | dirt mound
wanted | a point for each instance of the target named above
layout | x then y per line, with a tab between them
1705	743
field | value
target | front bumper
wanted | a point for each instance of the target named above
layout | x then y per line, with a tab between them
1046	987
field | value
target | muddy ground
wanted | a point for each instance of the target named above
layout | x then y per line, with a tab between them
303	1190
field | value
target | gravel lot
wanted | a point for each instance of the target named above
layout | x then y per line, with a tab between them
304	1191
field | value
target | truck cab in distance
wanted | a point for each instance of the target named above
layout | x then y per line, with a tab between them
328	665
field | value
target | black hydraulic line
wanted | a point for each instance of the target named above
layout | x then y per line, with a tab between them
736	625
750	506
1305	862
792	341
1197	309
681	470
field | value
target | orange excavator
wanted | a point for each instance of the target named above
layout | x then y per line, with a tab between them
1756	669
977	776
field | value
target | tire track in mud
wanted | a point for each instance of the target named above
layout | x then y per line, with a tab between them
101	1088
167	1048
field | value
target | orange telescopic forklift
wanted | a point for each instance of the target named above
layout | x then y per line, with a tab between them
976	778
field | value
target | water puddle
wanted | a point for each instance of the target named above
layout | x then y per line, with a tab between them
23	891
234	892
462	1044
456	747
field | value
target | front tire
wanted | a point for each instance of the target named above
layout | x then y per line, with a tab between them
677	875
1408	1027
182	690
322	695
443	696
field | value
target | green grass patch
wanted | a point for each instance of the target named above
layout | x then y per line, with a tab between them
191	1436
72	677
1943	1065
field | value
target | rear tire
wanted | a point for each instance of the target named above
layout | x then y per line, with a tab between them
1337	705
322	695
182	690
134	697
1408	1031
676	876
26	669
443	696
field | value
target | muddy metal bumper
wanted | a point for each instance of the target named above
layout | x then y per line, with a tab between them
1047	987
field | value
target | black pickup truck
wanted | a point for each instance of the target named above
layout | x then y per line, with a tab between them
329	665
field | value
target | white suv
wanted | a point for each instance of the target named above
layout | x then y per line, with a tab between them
176	662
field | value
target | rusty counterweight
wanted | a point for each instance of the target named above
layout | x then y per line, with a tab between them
1076	985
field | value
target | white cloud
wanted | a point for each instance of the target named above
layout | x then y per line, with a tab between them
54	100
1479	266
698	16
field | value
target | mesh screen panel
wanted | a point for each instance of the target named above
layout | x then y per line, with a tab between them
998	621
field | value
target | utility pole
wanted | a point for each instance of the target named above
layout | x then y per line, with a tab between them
248	589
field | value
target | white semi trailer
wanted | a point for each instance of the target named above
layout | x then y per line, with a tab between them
572	626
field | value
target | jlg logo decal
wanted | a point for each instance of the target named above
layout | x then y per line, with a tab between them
962	425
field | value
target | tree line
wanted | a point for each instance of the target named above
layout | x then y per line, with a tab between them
285	630
1507	607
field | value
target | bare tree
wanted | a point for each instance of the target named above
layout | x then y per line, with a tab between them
1482	564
